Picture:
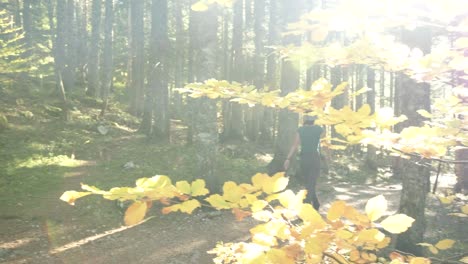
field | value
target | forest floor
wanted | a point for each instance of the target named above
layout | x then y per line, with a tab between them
41	157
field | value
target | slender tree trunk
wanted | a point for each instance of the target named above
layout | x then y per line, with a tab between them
158	81
137	50
205	129
59	52
82	49
267	126
414	96
287	121
371	159
180	56
93	58
234	122
107	56
382	88
28	27
69	75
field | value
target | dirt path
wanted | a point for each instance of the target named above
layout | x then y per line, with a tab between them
172	239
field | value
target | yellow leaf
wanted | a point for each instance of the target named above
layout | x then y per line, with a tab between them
189	206
291	201
464	209
370	236
232	192
258	205
397	224
135	213
158	181
376	207
343	234
445	244
319	34
419	260
275	255
461	43
384	243
218	202
446	200
464	260
200	6
430	247
337	210
92	189
424	113
183	187
71	196
268	184
198	188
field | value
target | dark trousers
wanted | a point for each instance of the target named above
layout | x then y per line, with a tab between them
310	170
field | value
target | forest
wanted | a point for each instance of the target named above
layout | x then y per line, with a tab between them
158	131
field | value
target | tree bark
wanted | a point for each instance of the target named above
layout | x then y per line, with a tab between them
158	60
205	129
287	121
415	181
137	50
266	125
59	53
234	121
371	158
93	58
107	55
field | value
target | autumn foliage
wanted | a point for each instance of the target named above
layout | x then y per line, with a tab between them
288	230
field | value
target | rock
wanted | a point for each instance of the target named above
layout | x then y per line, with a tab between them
3	122
129	165
103	130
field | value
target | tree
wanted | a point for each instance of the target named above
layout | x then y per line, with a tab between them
205	128
137	53
234	124
287	121
415	181
93	57
107	56
158	80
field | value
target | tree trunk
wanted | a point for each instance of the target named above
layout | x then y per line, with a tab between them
234	122
82	49
371	158
158	60
107	55
93	58
287	121
28	27
59	52
137	50
180	57
205	129
415	181
69	75
266	125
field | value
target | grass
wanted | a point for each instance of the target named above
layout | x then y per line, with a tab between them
41	156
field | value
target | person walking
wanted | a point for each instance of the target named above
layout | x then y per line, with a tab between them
308	138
